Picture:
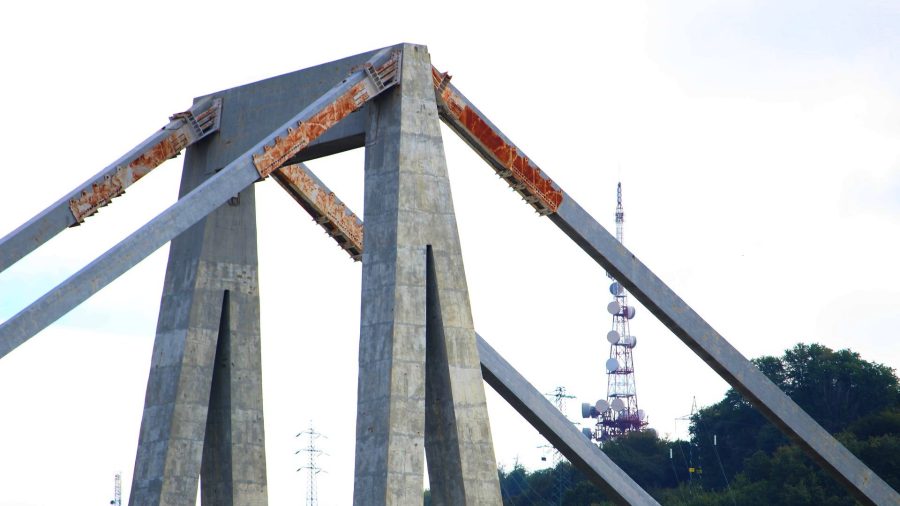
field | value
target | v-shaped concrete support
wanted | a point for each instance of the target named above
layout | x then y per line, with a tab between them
420	380
203	413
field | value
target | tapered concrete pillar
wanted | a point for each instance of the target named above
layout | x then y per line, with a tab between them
420	383
203	408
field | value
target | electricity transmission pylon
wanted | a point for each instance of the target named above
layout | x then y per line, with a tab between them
311	467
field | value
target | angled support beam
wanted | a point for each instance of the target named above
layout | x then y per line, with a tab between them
304	186
184	129
554	426
507	160
539	191
255	163
323	205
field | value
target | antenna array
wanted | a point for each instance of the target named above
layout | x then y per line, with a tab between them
618	414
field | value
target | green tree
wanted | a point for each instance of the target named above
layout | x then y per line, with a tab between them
645	457
836	388
751	462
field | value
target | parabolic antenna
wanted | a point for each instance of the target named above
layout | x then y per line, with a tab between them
628	312
642	415
617	404
628	341
613	307
601	406
616	289
587	432
585	410
613	337
612	365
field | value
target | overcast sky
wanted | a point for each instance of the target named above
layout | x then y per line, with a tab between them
757	144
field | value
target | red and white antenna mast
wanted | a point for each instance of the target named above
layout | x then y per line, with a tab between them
618	414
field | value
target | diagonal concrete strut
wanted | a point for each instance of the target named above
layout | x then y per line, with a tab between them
183	130
538	190
258	161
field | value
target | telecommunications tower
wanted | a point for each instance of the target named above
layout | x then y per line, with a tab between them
618	414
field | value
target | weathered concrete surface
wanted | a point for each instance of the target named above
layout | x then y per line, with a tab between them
559	431
252	111
408	307
204	394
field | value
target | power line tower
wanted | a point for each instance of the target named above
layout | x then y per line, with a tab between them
311	467
618	414
694	467
117	494
559	396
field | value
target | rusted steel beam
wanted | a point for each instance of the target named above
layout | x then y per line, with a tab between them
326	209
181	215
184	129
510	163
665	304
377	79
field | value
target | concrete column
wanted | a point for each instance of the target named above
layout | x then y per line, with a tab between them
415	304
203	408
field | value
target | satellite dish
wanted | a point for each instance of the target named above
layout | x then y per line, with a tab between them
628	312
585	410
616	289
612	365
617	404
587	432
601	406
642	415
613	307
613	337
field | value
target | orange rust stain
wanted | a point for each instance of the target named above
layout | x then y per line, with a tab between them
508	155
326	204
436	77
115	184
152	158
298	138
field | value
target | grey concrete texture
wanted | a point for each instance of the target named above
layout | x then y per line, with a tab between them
203	409
559	431
420	384
252	111
227	159
721	356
